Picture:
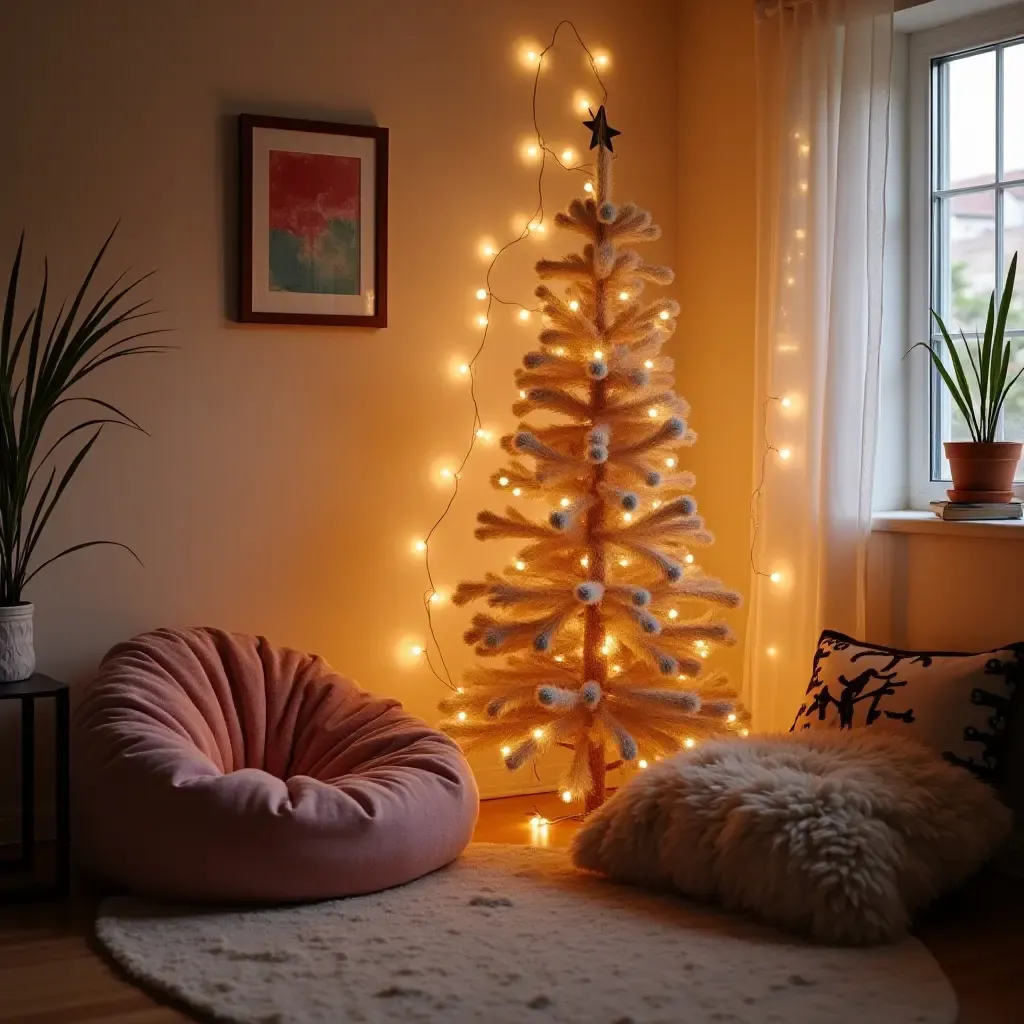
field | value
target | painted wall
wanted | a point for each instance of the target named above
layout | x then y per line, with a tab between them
715	277
289	469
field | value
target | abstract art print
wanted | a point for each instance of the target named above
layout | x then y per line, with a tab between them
313	222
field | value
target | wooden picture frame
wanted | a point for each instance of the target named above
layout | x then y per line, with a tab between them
313	222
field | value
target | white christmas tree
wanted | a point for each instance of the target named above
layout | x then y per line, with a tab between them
604	621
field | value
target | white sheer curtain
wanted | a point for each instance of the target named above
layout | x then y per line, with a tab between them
824	70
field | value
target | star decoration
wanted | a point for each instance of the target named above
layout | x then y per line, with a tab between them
602	132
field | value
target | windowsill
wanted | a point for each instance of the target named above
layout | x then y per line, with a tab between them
928	522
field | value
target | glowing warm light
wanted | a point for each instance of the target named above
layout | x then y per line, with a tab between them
688	559
484	435
531	151
565	502
682	678
522	394
461	716
520	565
584	561
463	368
616	669
664	314
805	149
730	718
481	321
524	314
623	296
459	689
800	233
446	473
420	545
652	412
673	614
436	597
505	751
503	481
481	293
568	156
583	103
536	226
790	281
786	402
559	658
776	577
623	562
566	797
574	305
689	743
785	454
416	651
487	249
601	60
744	732
538	733
559	351
803	186
771	652
598	354
627	517
649	363
517	491
670	462
588	187
656	503
641	763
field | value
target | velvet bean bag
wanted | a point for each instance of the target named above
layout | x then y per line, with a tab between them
214	766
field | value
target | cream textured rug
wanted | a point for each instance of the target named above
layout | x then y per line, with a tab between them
510	934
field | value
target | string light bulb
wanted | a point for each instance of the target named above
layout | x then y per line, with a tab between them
520	565
652	412
416	651
588	186
568	156
601	60
673	613
484	435
785	454
688	559
776	577
420	545
538	734
503	481
574	305
524	314
522	394
623	296
649	364
517	491
670	462
566	797
730	717
689	743
771	651
464	369
623	562
664	314
505	751
481	321
641	763
744	732
786	402
598	354
627	517
461	716
436	597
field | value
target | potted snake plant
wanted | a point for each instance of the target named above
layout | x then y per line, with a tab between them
982	468
41	370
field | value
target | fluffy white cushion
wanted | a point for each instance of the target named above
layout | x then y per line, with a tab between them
840	835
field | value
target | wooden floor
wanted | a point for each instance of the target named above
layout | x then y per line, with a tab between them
50	972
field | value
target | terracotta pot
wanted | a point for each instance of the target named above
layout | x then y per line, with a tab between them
982	471
17	653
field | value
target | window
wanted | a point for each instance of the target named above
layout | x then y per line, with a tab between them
967	215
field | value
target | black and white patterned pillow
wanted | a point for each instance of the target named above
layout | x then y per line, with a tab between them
957	704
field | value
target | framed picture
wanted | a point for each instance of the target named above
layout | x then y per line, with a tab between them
313	222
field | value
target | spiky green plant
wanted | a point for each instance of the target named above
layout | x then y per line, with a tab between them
38	371
980	402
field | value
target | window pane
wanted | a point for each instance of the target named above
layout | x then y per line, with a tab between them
1013	410
969	156
1013	242
1013	112
966	236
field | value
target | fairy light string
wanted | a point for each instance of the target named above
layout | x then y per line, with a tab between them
535	224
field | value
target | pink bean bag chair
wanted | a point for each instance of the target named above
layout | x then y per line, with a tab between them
213	766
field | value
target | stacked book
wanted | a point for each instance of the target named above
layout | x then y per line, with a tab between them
965	511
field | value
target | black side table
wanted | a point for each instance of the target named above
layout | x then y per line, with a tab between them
39	687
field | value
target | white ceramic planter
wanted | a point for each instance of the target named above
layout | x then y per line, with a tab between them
17	651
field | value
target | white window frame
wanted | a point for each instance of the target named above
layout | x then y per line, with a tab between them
944	40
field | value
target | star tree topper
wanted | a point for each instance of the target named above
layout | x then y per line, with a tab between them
603	133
